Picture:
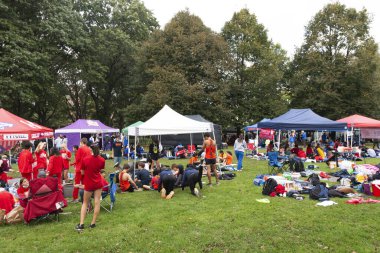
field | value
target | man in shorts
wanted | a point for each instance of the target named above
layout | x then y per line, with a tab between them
209	146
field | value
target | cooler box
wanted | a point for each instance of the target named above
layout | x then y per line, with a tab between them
68	190
376	188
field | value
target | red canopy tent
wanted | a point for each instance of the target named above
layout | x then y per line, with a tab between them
369	128
359	121
14	128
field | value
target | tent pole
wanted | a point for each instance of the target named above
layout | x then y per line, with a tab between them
47	146
191	140
134	160
352	133
257	138
10	157
128	147
217	155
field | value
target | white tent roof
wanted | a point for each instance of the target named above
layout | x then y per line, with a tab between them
167	121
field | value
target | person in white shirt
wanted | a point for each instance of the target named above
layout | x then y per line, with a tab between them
240	146
58	142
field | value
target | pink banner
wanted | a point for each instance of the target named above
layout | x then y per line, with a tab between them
266	134
370	133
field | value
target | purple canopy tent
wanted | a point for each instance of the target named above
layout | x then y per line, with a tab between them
75	130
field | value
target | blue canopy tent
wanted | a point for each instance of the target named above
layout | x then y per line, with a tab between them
254	127
302	119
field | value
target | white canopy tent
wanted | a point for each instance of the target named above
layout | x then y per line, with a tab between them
168	122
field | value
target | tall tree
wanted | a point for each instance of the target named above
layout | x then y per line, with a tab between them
184	66
256	88
115	31
334	71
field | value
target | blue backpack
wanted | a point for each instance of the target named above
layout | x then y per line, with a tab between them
319	192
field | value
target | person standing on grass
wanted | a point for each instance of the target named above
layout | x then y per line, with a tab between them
82	152
117	150
25	161
209	146
154	153
66	156
239	147
41	158
56	165
91	167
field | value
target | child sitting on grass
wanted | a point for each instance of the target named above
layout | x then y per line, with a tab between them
142	178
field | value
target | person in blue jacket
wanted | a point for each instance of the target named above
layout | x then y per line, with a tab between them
191	177
166	183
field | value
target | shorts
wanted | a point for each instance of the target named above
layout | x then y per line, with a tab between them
210	161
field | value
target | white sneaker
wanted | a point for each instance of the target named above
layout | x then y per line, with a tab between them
163	193
196	192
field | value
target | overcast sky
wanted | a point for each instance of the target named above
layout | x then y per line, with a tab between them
285	20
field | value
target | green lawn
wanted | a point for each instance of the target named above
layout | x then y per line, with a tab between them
227	219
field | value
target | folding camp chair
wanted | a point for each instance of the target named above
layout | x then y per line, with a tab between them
274	166
46	200
104	203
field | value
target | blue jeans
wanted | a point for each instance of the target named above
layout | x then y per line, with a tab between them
239	156
117	159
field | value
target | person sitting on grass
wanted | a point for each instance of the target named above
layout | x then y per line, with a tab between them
191	177
125	180
194	159
142	178
222	157
309	151
23	192
155	182
166	183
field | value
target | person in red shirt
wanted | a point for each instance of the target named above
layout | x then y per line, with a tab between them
66	155
41	158
155	182
93	184
25	161
56	165
209	146
82	152
23	192
229	158
7	201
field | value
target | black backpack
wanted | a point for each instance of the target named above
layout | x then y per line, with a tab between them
269	186
296	165
314	179
319	192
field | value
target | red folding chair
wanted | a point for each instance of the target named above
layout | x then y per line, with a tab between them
46	200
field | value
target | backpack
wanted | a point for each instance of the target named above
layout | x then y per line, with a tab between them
269	186
296	165
319	192
314	179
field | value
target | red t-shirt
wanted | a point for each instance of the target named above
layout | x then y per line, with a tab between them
81	153
92	165
41	158
21	192
66	155
55	165
6	201
105	185
25	161
155	182
124	184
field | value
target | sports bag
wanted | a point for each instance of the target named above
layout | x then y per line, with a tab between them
319	192
269	186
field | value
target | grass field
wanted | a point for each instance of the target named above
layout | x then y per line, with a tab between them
226	219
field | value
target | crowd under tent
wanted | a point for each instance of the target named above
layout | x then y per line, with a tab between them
83	127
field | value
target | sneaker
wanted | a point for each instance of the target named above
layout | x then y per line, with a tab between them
171	194
92	226
196	192
79	227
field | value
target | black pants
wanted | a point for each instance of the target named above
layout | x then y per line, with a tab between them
168	183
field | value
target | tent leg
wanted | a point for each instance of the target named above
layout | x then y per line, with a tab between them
47	146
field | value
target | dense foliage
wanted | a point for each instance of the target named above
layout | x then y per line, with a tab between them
108	59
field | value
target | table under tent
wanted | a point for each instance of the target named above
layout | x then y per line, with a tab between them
14	129
76	130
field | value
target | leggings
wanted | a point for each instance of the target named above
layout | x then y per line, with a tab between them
168	183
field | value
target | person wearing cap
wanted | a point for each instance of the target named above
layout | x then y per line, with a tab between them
240	146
